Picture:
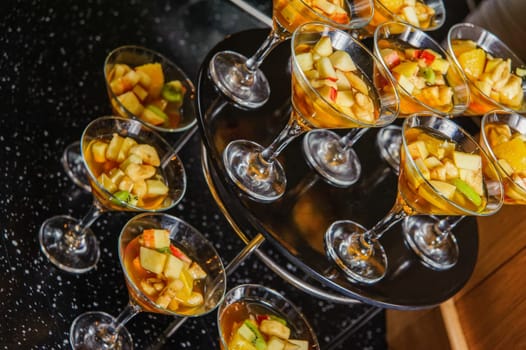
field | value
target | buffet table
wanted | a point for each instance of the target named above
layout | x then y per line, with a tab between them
52	85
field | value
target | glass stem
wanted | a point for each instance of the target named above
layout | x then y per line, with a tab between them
109	333
352	137
443	228
395	215
273	39
292	130
75	238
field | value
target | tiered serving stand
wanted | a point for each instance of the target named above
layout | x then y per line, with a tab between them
295	224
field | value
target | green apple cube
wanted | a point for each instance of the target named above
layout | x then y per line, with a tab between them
152	260
172	268
467	161
305	61
342	60
275	343
323	47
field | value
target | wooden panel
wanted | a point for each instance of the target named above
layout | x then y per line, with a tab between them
493	313
501	236
422	329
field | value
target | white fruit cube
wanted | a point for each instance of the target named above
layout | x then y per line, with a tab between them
274	328
410	16
323	47
467	161
445	189
325	6
418	149
342	83
127	143
132	159
423	168
326	69
112	152
152	260
432	162
305	61
296	344
172	268
342	60
98	151
357	82
405	84
329	93
345	98
274	343
155	188
312	74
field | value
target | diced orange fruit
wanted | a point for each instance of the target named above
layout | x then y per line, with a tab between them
514	152
473	62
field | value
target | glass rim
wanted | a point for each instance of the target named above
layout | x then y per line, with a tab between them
497	113
359	124
452	64
139	293
110	195
265	289
482	152
397	18
486	34
161	57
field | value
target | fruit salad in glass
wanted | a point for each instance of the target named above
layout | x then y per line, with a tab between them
127	169
163	272
503	135
494	72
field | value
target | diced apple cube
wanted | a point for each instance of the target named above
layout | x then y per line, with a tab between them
112	152
342	83
432	162
275	343
342	60
144	79
132	159
444	188
323	47
438	173
173	267
312	74
155	188
126	145
407	68
130	101
188	284
357	82
410	16
305	61
325	68
272	327
140	92
405	84
106	182
345	98
423	168
126	184
289	13
151	117
325	6
139	188
156	238
451	170
152	260
441	65
116	175
297	344
467	161
98	151
329	93
418	149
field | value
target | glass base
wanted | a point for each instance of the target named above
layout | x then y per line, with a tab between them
262	181
326	155
84	333
74	166
53	244
388	141
248	91
420	233
343	244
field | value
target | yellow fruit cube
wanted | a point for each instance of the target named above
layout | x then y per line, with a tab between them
473	62
514	152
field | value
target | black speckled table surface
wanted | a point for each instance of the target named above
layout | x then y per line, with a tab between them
51	86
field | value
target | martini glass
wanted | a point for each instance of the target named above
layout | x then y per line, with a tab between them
241	80
358	251
427	78
431	238
69	243
491	87
259	301
428	15
254	169
133	96
98	330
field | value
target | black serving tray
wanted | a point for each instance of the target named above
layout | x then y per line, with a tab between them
296	223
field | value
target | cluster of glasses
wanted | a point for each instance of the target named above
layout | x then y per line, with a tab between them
337	83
